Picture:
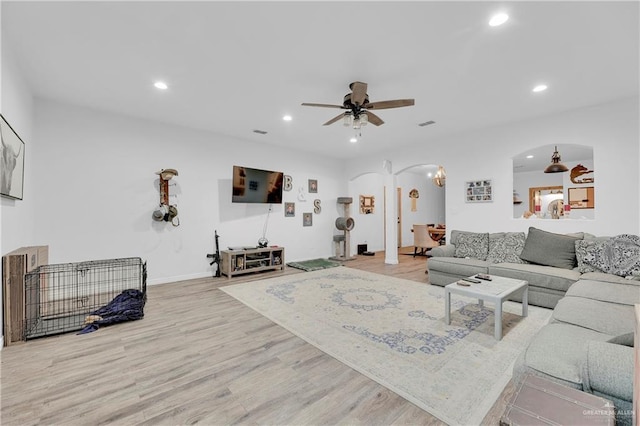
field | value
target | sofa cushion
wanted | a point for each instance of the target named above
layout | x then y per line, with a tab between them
550	249
610	278
472	245
457	267
619	255
597	315
625	339
559	350
506	248
620	293
537	275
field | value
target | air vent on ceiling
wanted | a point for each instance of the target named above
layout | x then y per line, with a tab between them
261	132
426	123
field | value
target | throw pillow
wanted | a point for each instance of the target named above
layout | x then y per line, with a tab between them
620	255
507	248
623	339
473	245
586	249
547	248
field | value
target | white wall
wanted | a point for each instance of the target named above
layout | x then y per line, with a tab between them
612	130
16	105
97	187
369	228
18	110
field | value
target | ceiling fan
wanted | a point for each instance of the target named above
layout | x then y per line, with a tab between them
359	108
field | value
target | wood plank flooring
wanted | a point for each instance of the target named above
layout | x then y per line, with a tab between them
200	356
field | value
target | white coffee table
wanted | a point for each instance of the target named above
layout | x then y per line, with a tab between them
497	291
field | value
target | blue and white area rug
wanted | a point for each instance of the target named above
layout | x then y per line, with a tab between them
393	331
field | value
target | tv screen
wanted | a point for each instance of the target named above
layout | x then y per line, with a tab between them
256	186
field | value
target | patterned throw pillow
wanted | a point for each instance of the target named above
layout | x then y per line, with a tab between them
473	245
586	249
619	256
507	248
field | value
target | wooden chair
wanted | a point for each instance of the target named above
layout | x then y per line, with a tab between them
422	240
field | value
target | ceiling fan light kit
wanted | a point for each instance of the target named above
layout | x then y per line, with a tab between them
359	108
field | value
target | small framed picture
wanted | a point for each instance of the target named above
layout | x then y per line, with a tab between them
307	219
478	191
313	186
289	209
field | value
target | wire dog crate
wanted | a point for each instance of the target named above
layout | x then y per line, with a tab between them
59	297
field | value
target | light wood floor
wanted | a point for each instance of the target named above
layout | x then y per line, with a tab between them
200	356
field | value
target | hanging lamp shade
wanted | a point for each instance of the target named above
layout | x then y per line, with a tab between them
556	165
440	177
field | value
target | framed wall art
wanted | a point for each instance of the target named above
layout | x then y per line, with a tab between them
12	159
289	209
367	204
313	186
478	191
582	198
307	219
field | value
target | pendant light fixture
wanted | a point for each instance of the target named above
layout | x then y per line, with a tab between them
556	165
440	177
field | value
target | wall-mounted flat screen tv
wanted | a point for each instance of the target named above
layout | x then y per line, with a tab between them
256	185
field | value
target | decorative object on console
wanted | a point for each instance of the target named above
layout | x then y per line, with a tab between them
12	160
367	204
479	191
556	165
440	177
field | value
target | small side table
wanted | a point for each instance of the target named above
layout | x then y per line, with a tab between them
539	401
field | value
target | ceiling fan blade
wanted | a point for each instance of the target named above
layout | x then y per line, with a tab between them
334	119
374	119
397	103
359	92
323	105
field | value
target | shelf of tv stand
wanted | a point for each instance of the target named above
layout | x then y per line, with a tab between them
246	261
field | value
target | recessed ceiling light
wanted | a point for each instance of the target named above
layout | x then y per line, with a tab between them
540	88
498	19
161	85
353	140
287	118
529	156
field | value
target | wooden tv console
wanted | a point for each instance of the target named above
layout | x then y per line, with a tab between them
246	261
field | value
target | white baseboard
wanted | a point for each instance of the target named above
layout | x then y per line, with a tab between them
166	280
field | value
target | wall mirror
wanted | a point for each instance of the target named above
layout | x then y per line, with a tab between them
541	195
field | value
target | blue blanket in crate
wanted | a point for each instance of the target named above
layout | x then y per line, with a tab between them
127	306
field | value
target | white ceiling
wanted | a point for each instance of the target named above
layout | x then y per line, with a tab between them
233	67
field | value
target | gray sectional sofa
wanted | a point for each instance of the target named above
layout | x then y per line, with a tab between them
592	289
